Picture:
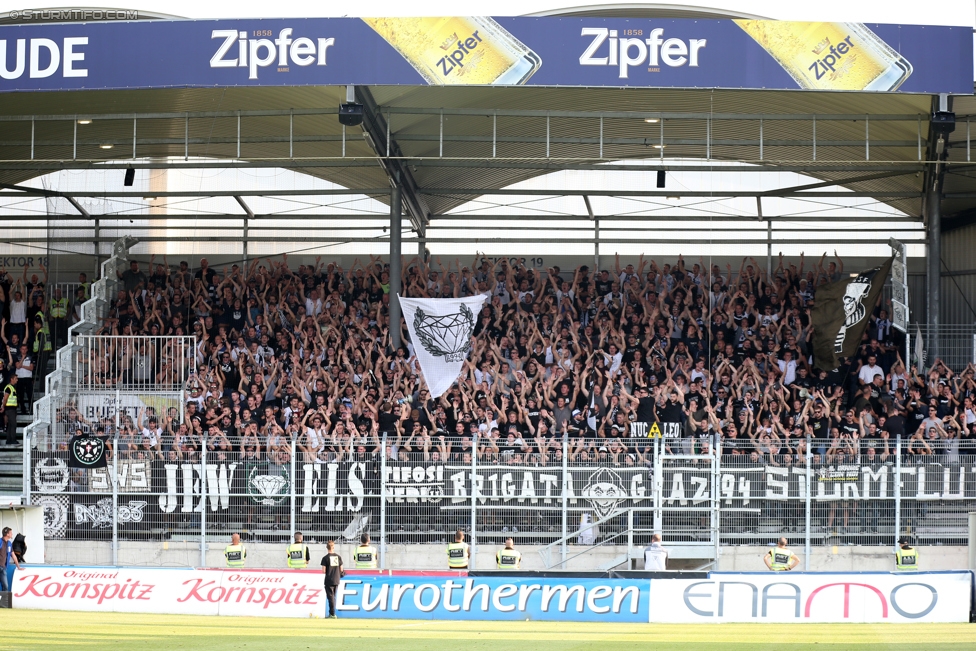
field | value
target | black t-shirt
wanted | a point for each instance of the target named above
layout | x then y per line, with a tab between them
645	410
333	568
820	427
895	426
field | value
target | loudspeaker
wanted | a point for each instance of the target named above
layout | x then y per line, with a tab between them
660	178
351	115
130	177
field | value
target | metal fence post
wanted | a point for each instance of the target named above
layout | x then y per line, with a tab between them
808	499
115	500
658	487
715	495
565	498
897	490
383	505
294	480
115	479
474	502
972	540
203	503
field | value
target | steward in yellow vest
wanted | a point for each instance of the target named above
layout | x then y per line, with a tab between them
906	557
235	553
298	555
780	558
507	558
458	553
365	554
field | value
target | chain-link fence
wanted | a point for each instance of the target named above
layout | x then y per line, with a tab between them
566	495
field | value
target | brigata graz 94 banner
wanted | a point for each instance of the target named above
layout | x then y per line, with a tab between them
642	52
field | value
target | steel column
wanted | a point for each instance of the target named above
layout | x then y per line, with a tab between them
396	265
933	229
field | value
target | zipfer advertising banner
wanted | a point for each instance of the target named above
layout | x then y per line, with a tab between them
482	51
518	598
253	593
784	597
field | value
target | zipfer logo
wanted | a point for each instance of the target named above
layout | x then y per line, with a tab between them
254	53
705	597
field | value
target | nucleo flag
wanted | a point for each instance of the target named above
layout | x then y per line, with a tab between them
441	331
842	312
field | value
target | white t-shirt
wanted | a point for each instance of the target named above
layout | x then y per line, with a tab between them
655	557
868	373
18	311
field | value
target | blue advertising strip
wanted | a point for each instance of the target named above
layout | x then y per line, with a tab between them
610	52
515	598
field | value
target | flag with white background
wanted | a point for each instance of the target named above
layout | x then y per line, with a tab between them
441	331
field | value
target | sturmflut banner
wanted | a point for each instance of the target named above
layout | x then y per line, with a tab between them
486	51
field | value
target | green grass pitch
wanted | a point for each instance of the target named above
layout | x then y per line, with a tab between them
38	629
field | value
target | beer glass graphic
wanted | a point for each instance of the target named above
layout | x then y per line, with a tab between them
459	51
831	56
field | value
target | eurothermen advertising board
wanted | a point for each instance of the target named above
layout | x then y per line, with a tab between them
484	51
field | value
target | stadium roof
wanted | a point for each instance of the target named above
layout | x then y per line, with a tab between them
451	144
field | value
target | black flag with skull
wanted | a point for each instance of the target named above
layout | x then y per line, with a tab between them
841	313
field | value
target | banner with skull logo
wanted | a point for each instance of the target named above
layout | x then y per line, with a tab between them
441	331
842	311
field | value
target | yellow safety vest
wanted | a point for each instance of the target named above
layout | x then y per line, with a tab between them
59	308
235	555
457	555
12	395
365	557
85	286
906	559
296	556
780	559
508	559
47	336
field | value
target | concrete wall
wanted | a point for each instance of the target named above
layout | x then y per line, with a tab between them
433	557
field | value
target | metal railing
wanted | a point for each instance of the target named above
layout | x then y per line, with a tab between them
159	363
957	344
170	481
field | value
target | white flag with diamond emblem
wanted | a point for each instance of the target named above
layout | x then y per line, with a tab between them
441	331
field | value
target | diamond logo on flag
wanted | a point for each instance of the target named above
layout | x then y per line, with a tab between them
448	336
441	331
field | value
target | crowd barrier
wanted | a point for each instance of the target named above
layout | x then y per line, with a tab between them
865	597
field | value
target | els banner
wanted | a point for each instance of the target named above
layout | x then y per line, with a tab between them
485	51
783	597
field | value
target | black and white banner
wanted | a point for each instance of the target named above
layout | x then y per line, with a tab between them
80	500
441	330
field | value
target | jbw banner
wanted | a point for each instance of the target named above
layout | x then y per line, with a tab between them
543	598
784	597
614	52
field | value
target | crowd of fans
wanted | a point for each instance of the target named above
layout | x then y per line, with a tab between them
304	355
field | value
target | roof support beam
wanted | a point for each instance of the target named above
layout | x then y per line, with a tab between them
391	159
